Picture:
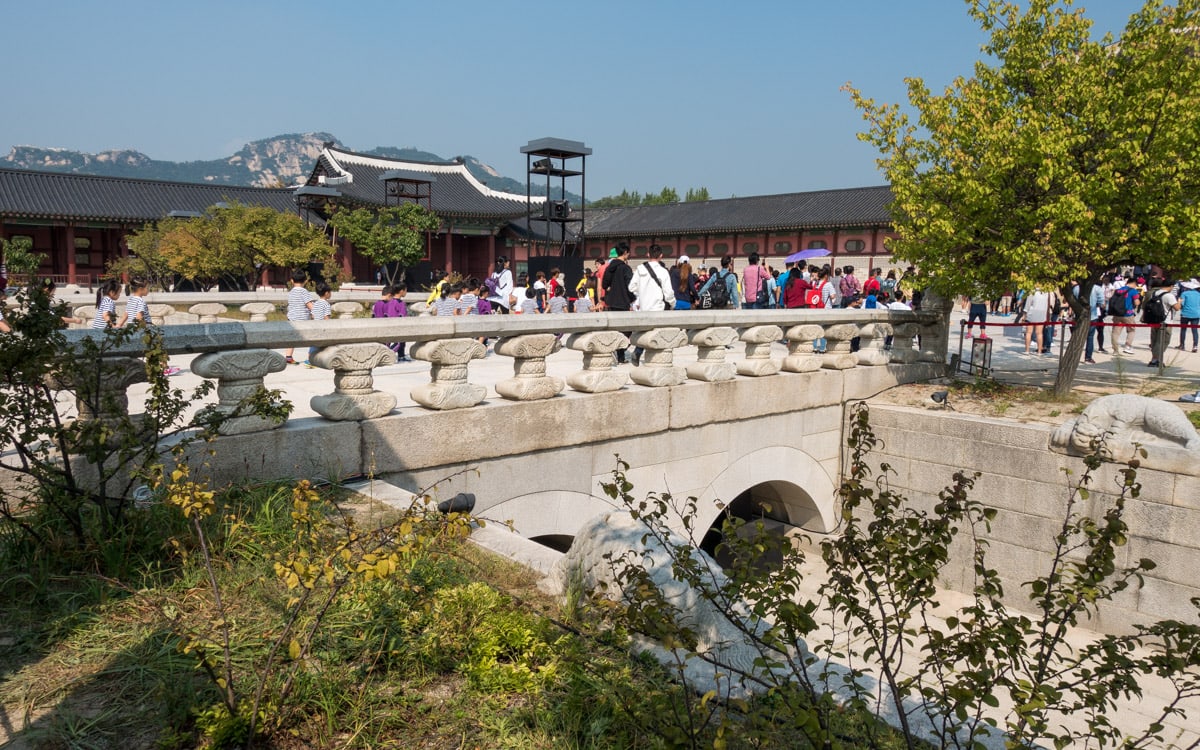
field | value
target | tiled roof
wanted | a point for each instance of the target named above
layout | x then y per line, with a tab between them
455	193
65	196
822	209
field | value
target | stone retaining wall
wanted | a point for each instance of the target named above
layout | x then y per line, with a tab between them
1027	484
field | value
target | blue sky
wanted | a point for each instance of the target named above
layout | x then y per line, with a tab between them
741	97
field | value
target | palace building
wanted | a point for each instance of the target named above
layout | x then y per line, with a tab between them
79	222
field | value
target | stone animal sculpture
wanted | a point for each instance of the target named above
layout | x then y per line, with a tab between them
719	638
1123	422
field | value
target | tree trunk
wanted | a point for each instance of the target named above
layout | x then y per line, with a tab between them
1069	364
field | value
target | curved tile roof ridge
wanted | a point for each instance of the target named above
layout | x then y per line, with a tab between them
452	167
144	180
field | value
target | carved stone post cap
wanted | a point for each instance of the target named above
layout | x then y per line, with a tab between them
366	356
717	336
805	332
205	309
597	342
258	308
159	310
875	330
842	331
346	307
448	351
528	346
762	334
242	364
660	338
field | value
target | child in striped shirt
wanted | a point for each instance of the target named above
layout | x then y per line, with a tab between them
321	310
447	304
468	303
299	306
106	305
137	312
558	302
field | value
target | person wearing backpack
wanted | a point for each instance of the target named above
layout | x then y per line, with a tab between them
716	298
1122	306
499	287
754	281
1158	305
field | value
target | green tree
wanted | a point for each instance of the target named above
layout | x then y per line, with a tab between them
696	194
1061	156
232	242
663	197
392	237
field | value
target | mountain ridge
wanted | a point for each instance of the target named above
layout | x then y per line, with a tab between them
277	161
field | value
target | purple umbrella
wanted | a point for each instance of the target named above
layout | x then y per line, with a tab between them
812	252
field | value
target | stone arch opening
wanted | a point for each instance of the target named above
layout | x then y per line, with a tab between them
556	542
783	508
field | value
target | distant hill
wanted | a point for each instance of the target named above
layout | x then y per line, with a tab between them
281	160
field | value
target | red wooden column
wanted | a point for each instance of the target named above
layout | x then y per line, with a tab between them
448	265
347	261
491	251
69	241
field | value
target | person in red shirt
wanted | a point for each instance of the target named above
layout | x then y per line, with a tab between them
873	284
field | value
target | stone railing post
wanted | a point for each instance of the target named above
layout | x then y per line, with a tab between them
870	347
239	375
207	311
597	375
346	309
530	381
710	365
159	312
103	397
902	343
354	396
258	311
448	387
837	354
800	342
758	360
658	364
935	337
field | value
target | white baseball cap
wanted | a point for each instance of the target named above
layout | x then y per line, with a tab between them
684	259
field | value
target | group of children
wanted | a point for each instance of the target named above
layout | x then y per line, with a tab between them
301	305
137	312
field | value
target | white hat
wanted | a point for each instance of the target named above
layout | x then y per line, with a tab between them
1192	283
684	259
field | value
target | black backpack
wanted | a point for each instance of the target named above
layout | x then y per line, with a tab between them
717	295
1154	310
1118	303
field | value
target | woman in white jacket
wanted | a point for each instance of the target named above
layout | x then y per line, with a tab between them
651	284
651	287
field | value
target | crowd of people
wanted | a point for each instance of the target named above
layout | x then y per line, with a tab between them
1122	302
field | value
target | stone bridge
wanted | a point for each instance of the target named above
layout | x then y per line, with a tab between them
721	407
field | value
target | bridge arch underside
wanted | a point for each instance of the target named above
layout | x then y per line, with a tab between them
782	483
778	482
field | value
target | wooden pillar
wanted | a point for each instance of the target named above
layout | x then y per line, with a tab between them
69	241
491	252
347	259
447	265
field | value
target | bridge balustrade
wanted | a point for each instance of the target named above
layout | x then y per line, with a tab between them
239	356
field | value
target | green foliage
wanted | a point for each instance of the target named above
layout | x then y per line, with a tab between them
1194	417
1060	157
233	243
72	451
665	196
979	669
396	234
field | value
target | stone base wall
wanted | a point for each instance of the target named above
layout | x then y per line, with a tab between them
539	463
1028	486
